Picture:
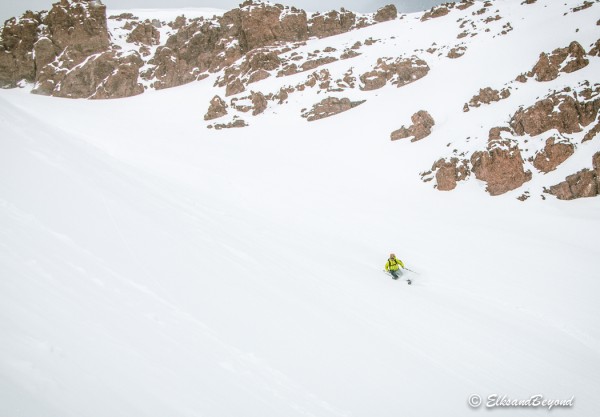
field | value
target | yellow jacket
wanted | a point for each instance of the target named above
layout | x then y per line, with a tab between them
393	264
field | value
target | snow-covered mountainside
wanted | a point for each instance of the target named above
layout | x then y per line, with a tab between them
157	261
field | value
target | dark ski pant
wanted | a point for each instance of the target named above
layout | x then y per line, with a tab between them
395	274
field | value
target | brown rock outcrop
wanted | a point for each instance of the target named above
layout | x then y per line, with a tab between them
465	4
553	154
456	52
216	109
331	23
421	127
330	107
234	87
315	63
400	72
584	6
259	103
41	46
79	25
261	24
145	34
592	133
210	45
449	172
585	183
500	165
254	67
595	51
558	111
236	123
487	95
67	52
17	41
435	12
386	13
566	60
103	76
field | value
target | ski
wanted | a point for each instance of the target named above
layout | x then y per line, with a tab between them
408	281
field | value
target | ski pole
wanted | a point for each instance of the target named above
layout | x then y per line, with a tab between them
411	270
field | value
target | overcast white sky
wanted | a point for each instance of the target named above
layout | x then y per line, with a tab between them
10	8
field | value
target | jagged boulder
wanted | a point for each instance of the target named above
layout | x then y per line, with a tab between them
386	13
565	60
435	12
259	24
80	26
67	52
456	52
236	123
592	133
145	34
331	23
465	4
487	95
501	165
236	86
216	109
585	183
330	107
595	51
449	172
197	47
399	72
421	127
558	111
17	41
582	184
259	102
553	154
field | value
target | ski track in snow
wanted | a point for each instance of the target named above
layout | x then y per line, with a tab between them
150	266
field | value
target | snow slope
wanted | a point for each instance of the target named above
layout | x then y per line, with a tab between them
150	266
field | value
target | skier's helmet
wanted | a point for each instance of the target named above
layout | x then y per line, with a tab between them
392	255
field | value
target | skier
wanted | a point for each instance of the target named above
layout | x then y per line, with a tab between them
393	265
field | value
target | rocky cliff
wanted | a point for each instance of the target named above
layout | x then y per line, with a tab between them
69	51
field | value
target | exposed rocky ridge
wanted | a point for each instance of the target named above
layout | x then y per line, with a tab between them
44	48
209	46
421	127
